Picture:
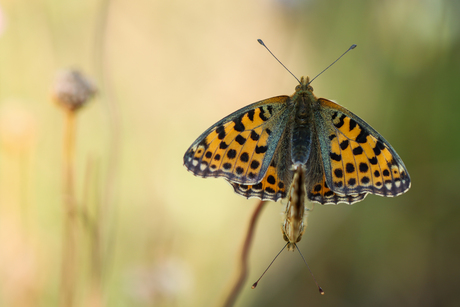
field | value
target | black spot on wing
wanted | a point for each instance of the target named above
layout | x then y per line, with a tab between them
363	167
362	136
255	164
352	124
335	156
231	154
328	193
220	130
238	124
254	136
240	140
338	173
358	150
251	115
269	190
239	170
376	150
261	149
350	168
244	157
344	145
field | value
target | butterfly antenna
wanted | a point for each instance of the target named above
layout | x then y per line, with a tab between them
254	285
319	288
262	43
351	47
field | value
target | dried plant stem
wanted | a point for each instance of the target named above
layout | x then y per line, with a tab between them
69	244
242	273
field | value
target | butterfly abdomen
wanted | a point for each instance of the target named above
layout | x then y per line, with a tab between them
293	225
301	143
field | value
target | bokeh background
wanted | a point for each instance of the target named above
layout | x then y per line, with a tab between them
152	234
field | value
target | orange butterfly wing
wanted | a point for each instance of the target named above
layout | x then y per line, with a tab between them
241	147
356	159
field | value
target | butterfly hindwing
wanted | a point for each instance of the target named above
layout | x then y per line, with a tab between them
322	194
317	188
240	147
356	158
271	187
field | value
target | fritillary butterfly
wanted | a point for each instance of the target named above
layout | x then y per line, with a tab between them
298	147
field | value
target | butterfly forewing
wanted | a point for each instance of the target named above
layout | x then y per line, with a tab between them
356	158
241	146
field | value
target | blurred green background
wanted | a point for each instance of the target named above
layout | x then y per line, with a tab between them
166	71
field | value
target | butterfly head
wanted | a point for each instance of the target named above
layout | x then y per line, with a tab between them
304	85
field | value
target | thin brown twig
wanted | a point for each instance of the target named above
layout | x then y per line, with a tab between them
242	273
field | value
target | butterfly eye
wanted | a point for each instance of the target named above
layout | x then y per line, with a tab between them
298	87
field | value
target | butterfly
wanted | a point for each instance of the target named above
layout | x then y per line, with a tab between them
296	148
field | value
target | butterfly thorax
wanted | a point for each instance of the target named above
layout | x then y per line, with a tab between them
294	222
301	131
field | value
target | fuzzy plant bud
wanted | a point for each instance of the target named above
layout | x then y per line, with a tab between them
72	90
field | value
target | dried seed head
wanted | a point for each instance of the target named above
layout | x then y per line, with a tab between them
72	90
